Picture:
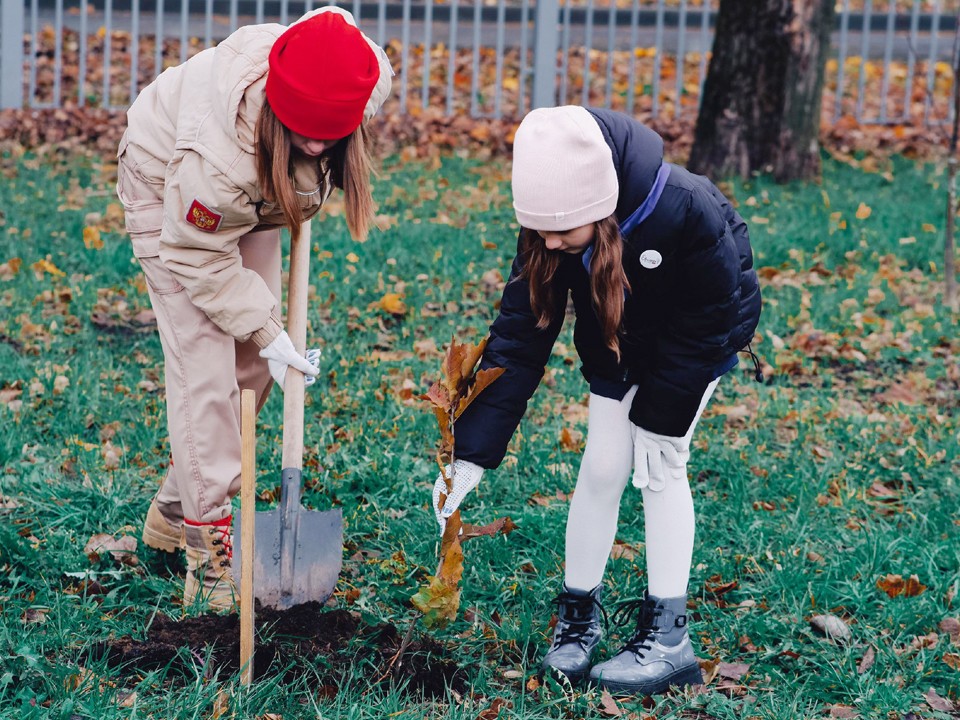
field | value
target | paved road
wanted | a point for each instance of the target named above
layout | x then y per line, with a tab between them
219	26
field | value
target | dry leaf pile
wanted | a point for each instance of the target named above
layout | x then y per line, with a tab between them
493	87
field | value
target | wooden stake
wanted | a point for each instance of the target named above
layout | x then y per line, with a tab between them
248	491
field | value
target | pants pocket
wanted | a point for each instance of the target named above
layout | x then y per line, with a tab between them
160	280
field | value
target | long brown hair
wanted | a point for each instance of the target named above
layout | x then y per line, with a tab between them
607	279
346	165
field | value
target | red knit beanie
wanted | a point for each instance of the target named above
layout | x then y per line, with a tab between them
322	72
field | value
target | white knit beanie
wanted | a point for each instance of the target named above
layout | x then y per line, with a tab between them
563	172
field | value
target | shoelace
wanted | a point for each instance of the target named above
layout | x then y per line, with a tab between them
226	540
646	613
573	629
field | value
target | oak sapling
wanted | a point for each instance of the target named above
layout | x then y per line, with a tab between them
458	386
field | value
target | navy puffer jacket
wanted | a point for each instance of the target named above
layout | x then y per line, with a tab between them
682	320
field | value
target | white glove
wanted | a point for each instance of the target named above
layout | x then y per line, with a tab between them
466	476
657	458
281	354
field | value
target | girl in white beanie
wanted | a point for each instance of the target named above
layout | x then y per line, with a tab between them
660	270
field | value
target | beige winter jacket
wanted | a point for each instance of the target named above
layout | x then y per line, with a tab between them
190	135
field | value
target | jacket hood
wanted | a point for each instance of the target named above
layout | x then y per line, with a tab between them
637	155
240	65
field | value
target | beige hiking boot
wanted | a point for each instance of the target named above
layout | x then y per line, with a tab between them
209	557
161	532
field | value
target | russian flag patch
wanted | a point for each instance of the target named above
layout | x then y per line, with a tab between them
203	217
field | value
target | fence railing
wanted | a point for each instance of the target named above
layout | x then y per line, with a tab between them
891	60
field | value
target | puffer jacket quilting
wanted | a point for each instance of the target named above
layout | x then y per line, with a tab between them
682	320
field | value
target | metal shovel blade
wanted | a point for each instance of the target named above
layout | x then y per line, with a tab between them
298	552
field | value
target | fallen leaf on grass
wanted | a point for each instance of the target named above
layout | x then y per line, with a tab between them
221	705
609	706
571	440
45	266
426	348
75	680
623	550
709	669
866	662
8	503
894	585
842	711
111	455
716	585
10	268
92	239
112	312
123	549
34	615
832	627
900	392
493	712
920	642
938	703
735	414
952	659
951	626
391	303
503	525
733	671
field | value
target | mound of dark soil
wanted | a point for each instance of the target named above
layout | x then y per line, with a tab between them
333	644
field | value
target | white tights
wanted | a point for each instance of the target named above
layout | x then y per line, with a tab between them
595	508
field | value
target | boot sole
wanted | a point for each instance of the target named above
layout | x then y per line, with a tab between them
166	543
680	678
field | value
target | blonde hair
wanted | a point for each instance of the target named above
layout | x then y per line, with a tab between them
607	279
346	165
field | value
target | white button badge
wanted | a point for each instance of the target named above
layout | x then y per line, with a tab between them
651	259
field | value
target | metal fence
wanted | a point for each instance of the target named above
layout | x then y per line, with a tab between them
891	60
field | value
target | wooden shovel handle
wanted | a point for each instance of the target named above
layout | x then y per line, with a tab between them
293	387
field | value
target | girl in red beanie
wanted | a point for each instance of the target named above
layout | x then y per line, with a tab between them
219	154
660	270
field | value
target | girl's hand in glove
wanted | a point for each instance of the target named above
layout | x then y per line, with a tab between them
466	476
280	354
658	458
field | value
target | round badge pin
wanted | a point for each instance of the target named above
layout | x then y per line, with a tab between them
651	259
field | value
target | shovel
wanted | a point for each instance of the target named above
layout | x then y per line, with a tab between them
299	552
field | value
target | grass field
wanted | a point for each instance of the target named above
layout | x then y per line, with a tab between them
822	491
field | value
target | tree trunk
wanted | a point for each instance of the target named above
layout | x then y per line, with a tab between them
762	96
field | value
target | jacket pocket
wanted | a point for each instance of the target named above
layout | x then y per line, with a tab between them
142	206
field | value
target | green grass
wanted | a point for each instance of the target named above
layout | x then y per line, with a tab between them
839	471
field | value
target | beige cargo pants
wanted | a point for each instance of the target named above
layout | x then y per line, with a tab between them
204	368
